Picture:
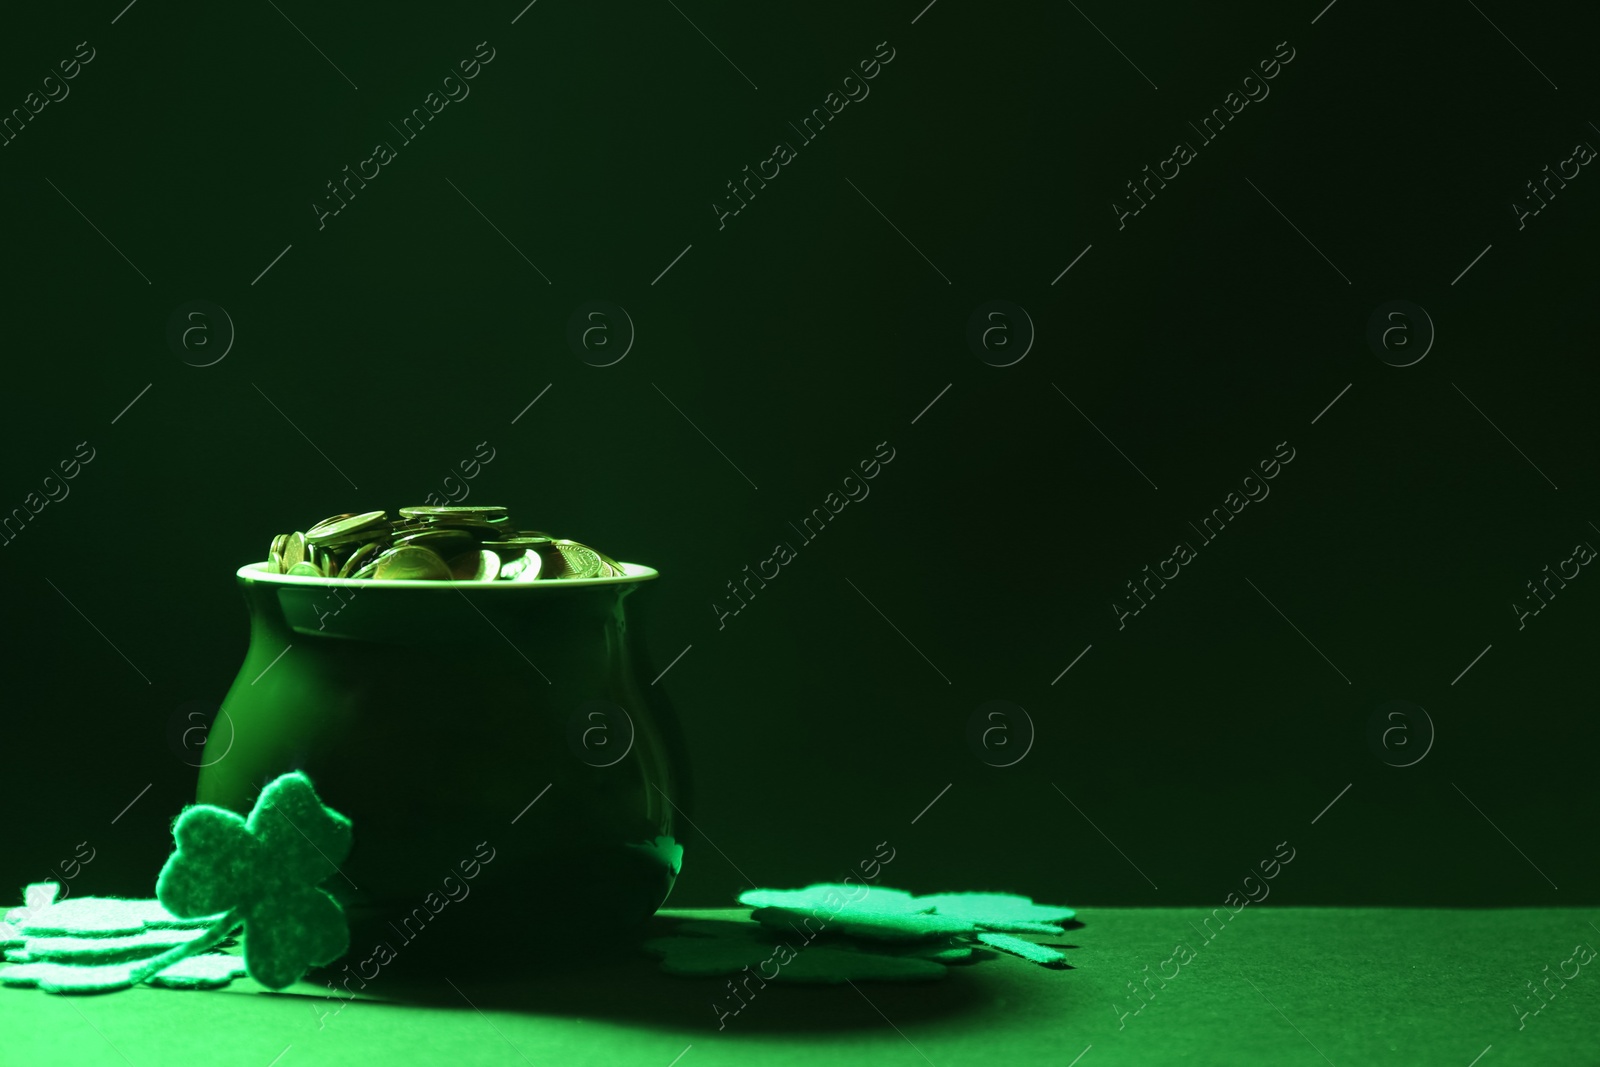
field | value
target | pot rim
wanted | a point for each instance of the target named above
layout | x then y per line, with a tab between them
257	573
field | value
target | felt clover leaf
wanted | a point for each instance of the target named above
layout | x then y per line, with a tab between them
35	899
101	944
893	915
264	871
1001	912
855	910
207	971
96	917
999	915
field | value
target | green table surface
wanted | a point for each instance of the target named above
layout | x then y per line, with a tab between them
1274	986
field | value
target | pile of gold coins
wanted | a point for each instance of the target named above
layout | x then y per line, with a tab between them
434	544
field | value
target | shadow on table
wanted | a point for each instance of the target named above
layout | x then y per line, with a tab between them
618	981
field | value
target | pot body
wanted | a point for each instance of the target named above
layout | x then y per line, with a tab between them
508	768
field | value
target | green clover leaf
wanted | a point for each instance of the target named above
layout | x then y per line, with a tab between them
207	971
103	944
96	917
895	917
264	871
858	911
1000	912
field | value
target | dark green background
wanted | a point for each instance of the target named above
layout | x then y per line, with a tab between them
799	337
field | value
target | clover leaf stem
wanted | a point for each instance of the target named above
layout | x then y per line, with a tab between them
213	935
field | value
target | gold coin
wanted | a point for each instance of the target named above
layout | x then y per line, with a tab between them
435	543
294	551
479	565
343	528
517	542
483	514
552	563
581	560
522	567
443	542
476	527
488	566
359	559
411	563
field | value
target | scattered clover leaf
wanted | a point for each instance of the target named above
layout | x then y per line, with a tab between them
860	931
208	971
102	944
35	898
70	978
1047	957
834	896
102	917
138	946
1000	912
264	872
855	910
